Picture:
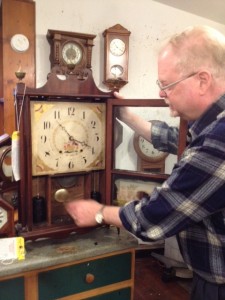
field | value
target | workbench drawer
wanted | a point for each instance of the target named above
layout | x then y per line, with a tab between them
12	289
85	276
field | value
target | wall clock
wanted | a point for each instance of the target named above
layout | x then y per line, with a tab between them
70	51
63	132
149	158
116	51
19	42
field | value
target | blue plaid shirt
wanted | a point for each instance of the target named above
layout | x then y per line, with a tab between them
191	202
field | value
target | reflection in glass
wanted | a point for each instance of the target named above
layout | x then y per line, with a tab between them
128	158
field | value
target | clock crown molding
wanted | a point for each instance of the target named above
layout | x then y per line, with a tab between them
117	29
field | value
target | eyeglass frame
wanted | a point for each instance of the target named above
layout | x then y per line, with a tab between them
163	88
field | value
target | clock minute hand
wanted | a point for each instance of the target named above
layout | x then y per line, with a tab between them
71	138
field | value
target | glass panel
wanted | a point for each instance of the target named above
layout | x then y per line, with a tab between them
126	155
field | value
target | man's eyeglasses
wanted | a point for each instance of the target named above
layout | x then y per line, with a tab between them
163	88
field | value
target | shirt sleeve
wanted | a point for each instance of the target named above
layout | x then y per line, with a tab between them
164	137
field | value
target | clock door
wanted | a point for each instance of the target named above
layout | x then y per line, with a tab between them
126	179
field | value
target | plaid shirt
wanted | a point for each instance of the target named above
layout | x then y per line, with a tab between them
191	202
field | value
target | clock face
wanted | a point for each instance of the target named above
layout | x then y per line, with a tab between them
117	47
67	137
3	217
147	151
19	42
71	53
117	70
5	163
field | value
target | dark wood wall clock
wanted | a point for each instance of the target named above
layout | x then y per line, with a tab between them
71	52
116	51
17	53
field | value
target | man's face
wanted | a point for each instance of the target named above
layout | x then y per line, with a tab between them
181	93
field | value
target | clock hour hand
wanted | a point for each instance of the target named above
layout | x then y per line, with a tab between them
72	139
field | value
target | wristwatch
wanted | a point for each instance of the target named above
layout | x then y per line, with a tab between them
99	215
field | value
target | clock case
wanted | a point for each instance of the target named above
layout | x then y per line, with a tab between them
89	184
7	189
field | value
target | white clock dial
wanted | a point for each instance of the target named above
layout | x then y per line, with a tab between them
6	163
147	148
19	43
117	47
116	70
3	217
67	137
71	53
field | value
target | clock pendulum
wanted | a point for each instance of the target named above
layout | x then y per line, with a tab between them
95	194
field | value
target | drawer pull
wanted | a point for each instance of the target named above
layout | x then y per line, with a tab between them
89	278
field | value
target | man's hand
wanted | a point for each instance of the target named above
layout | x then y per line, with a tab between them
83	211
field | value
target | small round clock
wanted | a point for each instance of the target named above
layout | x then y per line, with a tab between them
146	150
19	43
117	47
72	53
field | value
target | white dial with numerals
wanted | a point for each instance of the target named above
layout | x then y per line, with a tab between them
20	43
71	53
67	137
117	47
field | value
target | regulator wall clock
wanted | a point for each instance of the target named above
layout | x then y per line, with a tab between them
116	50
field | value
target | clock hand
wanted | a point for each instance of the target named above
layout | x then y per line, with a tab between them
72	139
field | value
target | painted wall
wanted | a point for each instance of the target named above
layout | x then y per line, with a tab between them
149	22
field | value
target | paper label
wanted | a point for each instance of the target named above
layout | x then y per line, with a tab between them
12	248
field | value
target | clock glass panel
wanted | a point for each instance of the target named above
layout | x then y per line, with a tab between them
67	137
129	161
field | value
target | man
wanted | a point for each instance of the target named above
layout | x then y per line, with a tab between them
191	202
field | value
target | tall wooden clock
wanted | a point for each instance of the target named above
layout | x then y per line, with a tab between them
116	51
63	138
17	52
71	52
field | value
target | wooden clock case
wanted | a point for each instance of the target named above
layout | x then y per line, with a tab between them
72	89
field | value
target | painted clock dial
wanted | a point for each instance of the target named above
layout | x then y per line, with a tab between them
67	137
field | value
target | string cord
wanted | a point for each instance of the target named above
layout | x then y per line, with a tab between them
19	113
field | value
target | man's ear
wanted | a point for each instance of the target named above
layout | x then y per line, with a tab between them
205	80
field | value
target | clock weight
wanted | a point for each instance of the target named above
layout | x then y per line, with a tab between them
39	209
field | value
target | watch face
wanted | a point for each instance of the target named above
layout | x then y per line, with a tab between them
71	53
19	42
117	47
116	70
67	137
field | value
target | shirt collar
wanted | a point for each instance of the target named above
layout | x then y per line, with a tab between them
208	117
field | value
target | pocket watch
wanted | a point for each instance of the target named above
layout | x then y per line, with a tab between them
67	137
72	53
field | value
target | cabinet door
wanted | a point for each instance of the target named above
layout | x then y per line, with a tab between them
12	289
